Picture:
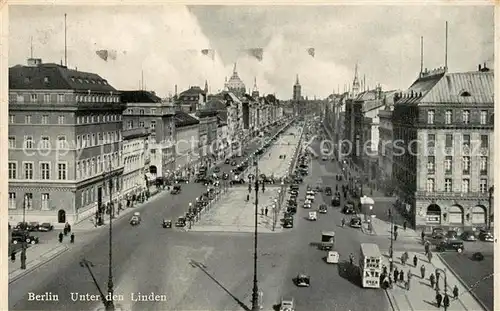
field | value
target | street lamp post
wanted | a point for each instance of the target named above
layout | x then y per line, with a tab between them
110	305
190	214
24	245
255	289
490	210
391	248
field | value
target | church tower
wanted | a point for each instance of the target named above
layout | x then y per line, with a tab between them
296	90
206	87
355	82
255	91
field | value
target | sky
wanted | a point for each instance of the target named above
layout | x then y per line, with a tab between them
163	43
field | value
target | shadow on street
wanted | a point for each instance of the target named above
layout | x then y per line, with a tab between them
349	272
202	267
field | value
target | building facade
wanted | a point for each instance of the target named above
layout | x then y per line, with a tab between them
136	160
445	121
187	145
207	135
192	99
385	149
65	128
145	110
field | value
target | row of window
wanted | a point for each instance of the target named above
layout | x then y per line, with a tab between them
466	165
135	161
130	124
61	119
89	195
90	167
28	201
84	141
466	141
90	119
448	116
45	172
46	98
141	111
96	139
448	185
34	98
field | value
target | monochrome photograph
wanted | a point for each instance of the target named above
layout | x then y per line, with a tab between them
250	157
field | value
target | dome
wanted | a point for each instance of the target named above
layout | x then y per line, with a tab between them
235	84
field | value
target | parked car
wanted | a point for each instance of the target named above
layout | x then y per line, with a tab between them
288	223
19	237
450	245
216	169
468	236
348	209
437	233
336	201
322	209
135	220
33	226
451	234
176	190
181	222
45	227
303	280
233	163
328	191
227	161
486	236
355	222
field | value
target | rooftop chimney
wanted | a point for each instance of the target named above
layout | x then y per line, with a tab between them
479	67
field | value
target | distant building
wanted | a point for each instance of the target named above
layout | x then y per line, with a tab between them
191	99
235	85
65	130
136	161
187	145
444	123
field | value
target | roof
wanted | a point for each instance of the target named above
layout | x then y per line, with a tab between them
370	249
184	119
233	97
139	97
206	113
216	104
420	88
56	77
193	90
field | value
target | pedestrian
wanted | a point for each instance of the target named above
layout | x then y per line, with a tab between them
72	238
422	235
403	259
437	280
406	257
395	235
446	301
61	236
422	271
396	273
404	225
262	211
439	298
432	280
266	211
343	222
13	256
384	269
408	284
429	256
248	197
427	247
415	260
455	292
401	276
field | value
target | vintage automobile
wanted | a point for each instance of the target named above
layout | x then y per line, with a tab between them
225	176
135	220
216	169
328	191
45	227
167	223
233	163
355	222
287	304
450	245
302	280
307	205
486	236
288	223
176	189
18	237
322	209
313	216
468	236
332	257
181	222
336	200
348	209
227	161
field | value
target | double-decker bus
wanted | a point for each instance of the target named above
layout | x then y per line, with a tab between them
370	264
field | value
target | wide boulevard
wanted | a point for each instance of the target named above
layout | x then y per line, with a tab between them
203	270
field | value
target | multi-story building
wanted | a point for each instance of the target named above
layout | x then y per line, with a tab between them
192	99
385	148
444	122
145	110
207	132
187	144
65	128
136	160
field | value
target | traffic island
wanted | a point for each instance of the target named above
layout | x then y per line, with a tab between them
37	257
234	213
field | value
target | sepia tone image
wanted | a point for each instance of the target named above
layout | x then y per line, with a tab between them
190	158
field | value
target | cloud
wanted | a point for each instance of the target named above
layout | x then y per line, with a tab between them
165	42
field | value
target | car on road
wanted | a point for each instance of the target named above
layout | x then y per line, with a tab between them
348	209
355	222
45	227
216	169
181	222
227	161
328	191
451	234
313	216
287	304
468	236
303	280
323	158
33	226
322	209
318	189
180	180
486	236
450	245
336	200
135	220
167	223
18	237
288	223
294	192
233	163
176	190
225	176
437	233
294	187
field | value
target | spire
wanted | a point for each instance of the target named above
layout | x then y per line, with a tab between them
255	84
297	80
234	69
206	87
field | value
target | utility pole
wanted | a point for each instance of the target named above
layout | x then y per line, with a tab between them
110	305
25	236
490	210
255	289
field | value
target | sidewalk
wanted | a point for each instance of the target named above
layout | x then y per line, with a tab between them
421	296
233	213
40	254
